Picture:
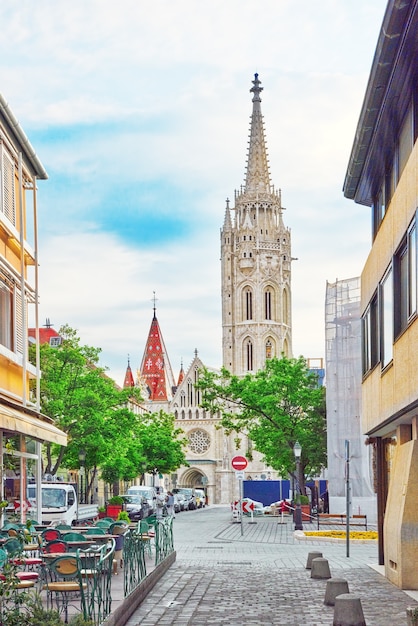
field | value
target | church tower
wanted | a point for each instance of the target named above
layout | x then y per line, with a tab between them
256	263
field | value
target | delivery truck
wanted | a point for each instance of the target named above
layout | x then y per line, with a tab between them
60	504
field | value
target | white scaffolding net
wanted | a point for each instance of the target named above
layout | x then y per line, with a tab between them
343	390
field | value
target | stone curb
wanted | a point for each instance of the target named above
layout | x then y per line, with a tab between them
129	605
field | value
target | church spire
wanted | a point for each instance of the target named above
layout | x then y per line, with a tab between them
258	175
155	371
129	379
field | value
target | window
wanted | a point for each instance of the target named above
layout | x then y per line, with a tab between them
386	318
55	341
269	349
7	187
370	336
405	281
6	316
267	304
248	304
249	356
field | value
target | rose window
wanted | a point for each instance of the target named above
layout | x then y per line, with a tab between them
199	441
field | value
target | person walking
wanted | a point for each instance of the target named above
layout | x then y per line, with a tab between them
170	504
160	502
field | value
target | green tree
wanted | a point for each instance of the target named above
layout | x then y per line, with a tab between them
94	412
83	402
154	447
276	407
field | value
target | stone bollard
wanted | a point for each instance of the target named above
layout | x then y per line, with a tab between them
335	587
348	611
320	569
311	557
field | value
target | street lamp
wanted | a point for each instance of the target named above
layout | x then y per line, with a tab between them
297	451
82	459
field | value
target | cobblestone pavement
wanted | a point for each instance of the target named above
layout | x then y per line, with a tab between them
256	575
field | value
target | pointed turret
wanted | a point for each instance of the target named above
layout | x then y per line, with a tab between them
258	175
181	375
155	369
227	220
129	379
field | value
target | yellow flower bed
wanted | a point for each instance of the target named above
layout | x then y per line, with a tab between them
340	534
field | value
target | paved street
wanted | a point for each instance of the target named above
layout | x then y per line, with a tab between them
222	577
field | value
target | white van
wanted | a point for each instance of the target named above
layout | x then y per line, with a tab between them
149	493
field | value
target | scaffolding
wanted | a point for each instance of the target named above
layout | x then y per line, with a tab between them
343	390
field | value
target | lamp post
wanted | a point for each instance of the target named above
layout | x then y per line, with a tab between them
297	451
82	459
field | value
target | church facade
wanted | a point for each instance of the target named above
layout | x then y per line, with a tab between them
256	322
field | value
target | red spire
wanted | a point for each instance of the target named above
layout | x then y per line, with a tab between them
156	370
181	375
129	379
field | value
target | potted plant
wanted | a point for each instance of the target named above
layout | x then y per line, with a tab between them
114	506
102	512
123	517
306	508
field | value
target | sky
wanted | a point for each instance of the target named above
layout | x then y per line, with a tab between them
140	111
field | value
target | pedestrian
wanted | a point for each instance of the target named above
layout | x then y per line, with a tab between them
170	504
159	505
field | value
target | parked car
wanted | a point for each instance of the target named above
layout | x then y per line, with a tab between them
181	500
178	502
149	493
137	507
188	495
200	497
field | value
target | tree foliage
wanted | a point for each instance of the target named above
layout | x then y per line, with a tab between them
94	412
276	407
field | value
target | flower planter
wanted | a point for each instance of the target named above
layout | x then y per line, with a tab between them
113	510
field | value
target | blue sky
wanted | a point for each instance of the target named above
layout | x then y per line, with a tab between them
140	112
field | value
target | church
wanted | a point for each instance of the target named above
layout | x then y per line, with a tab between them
256	325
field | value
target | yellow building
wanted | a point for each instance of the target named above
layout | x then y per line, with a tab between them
22	427
383	174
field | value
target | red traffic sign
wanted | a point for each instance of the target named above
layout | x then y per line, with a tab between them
239	462
247	507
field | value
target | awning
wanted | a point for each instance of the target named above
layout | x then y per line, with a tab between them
21	422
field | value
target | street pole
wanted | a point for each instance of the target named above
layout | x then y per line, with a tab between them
297	449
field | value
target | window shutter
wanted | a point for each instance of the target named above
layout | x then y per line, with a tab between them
18	322
8	204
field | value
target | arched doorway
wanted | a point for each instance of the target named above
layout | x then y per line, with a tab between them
194	479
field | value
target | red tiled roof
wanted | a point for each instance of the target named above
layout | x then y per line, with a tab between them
155	368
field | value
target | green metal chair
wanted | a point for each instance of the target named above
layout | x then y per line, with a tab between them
64	585
72	536
95	530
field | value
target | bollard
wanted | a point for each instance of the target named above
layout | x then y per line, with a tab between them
320	569
335	587
311	557
348	611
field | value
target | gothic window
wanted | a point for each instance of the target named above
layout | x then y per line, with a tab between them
248	295
199	441
285	307
248	355
285	348
182	399
269	349
190	414
183	415
268	304
197	414
190	392
176	415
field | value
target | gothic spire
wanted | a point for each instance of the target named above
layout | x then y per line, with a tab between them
129	379
155	371
258	175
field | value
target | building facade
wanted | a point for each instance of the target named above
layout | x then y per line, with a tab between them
22	427
383	175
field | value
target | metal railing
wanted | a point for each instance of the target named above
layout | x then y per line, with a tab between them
97	569
134	566
164	544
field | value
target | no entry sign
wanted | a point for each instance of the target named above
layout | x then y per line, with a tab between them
239	462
